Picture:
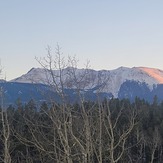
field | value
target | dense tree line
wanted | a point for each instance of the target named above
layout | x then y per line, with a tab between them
107	131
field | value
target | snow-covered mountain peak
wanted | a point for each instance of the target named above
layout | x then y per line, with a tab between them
34	75
110	80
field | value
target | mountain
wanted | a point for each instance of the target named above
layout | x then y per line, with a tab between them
109	81
14	91
25	92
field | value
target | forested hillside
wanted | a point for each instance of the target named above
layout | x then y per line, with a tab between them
102	131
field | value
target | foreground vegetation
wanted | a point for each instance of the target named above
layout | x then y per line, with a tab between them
102	131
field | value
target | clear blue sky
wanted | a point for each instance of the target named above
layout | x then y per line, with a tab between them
109	33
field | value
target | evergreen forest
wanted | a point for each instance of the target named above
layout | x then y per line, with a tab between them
107	131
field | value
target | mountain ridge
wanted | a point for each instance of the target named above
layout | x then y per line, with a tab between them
111	80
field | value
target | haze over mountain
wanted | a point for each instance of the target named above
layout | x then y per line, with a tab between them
108	81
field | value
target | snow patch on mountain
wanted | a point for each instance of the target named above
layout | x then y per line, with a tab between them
154	73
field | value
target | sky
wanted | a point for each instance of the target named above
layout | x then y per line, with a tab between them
108	33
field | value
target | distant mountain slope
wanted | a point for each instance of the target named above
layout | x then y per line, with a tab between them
133	89
25	92
155	73
108	81
13	91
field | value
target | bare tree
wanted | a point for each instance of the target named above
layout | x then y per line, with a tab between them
153	141
67	76
117	132
6	132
